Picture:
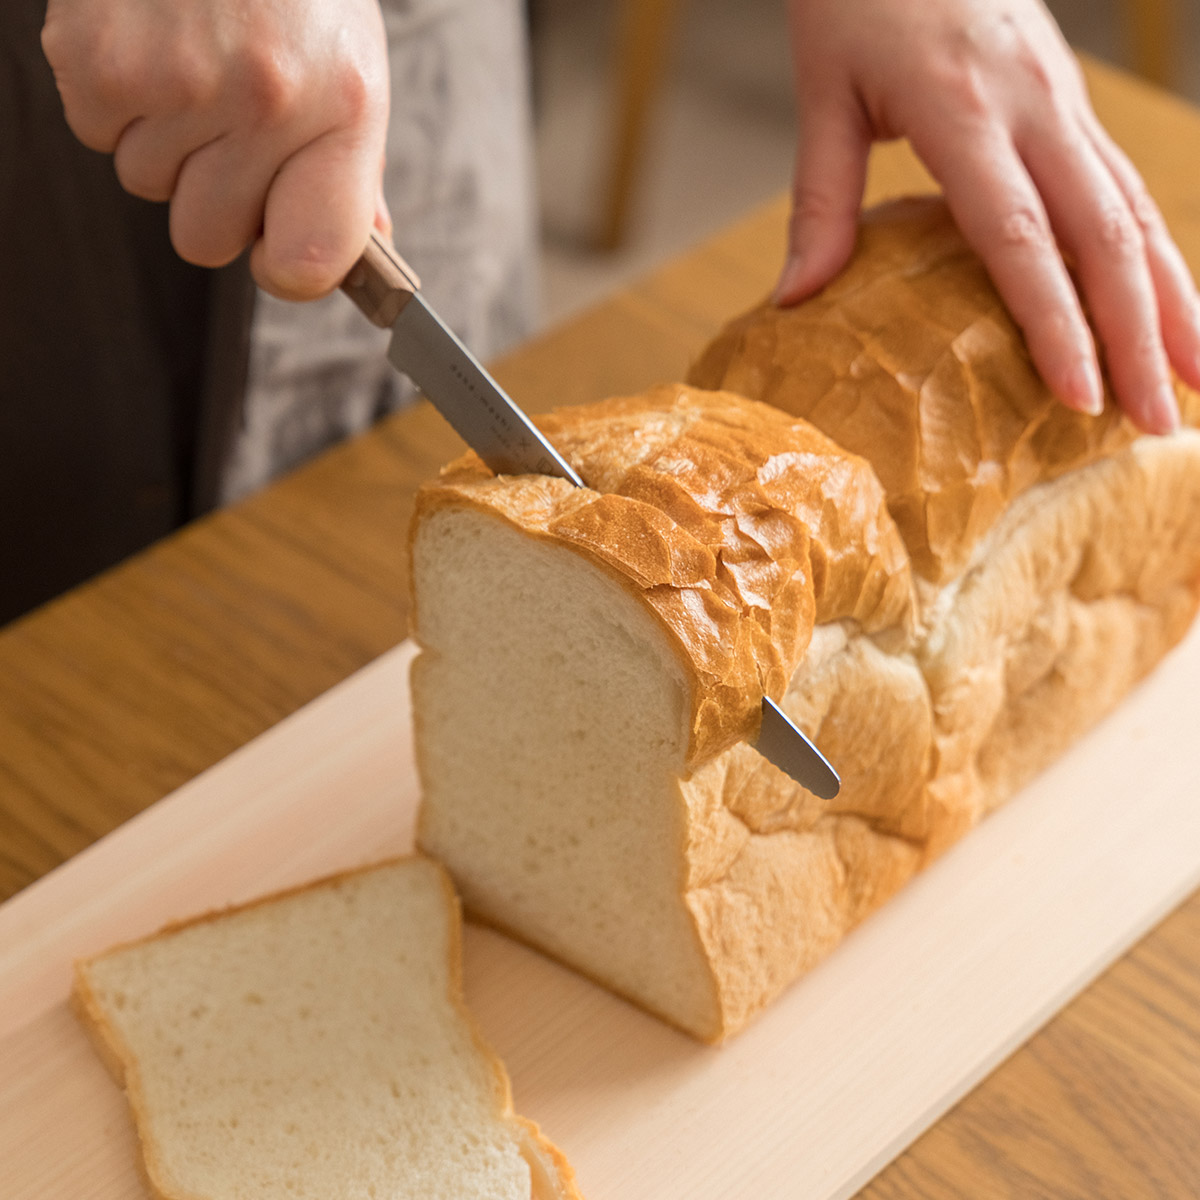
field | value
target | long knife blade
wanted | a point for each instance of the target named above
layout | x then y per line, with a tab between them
428	351
425	349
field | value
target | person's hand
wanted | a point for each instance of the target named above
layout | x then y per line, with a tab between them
993	102
263	124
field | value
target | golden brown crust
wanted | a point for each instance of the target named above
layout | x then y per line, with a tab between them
910	359
1087	582
777	876
553	1178
739	526
786	901
121	1064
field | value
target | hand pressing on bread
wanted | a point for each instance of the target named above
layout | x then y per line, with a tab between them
992	100
262	124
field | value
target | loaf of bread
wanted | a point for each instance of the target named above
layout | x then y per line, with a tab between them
314	1046
942	575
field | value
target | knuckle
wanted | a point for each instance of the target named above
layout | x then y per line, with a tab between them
193	245
1022	228
961	82
1049	81
56	42
95	97
1061	328
271	91
71	40
351	94
276	89
1117	231
93	117
137	180
813	206
1146	346
195	239
109	80
140	175
1143	207
195	82
965	70
183	238
1136	352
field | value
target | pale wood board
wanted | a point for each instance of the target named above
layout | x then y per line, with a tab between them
842	1073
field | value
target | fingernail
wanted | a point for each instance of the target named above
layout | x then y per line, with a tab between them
787	280
1085	389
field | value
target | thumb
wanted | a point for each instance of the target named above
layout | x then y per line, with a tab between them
831	172
383	212
319	213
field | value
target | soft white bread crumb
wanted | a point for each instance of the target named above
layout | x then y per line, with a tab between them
314	1046
552	728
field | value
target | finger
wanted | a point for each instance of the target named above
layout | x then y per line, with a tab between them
219	198
110	75
383	215
831	169
90	78
1001	215
1095	225
1179	308
320	209
98	113
151	152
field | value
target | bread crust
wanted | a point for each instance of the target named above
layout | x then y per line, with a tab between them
739	527
910	359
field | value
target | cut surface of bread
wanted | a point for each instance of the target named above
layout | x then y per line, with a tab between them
551	754
314	1046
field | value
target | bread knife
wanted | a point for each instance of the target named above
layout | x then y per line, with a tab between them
424	348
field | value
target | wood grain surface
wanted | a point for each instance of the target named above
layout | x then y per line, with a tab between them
127	687
828	1085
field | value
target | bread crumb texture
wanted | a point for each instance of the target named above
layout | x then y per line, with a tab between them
315	1045
868	507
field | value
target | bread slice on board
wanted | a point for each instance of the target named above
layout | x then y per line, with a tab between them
314	1045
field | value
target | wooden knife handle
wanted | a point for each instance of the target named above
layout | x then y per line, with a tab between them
381	282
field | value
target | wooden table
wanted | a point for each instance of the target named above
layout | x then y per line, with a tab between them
117	693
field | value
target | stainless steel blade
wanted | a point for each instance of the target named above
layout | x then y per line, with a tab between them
780	742
425	349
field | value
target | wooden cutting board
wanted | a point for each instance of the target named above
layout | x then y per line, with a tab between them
832	1082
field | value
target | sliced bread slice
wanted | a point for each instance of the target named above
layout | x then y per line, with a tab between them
314	1045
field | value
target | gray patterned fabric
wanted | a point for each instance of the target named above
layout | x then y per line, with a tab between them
459	186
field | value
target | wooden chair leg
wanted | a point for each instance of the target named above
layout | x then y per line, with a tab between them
644	34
